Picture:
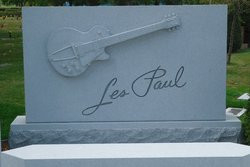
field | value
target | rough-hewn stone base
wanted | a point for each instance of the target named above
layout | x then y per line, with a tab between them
23	134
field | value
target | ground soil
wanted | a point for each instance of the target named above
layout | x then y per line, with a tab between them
5	145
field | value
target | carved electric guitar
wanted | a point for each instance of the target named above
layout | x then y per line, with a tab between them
71	51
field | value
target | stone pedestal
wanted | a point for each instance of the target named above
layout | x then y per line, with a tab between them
23	133
130	155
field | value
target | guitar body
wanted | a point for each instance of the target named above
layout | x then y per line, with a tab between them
67	54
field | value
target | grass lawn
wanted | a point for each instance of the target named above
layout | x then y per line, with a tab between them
238	78
11	73
12	84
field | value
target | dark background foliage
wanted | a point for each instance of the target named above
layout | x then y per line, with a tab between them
243	19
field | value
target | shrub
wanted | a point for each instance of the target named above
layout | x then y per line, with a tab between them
246	124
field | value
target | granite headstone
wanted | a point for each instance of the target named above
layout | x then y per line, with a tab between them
97	64
124	74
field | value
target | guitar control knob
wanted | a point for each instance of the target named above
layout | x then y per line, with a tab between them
69	70
64	66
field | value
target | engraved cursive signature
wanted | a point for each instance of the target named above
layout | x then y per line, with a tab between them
148	79
115	94
141	86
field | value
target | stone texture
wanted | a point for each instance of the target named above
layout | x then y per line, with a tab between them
184	53
23	138
129	155
26	134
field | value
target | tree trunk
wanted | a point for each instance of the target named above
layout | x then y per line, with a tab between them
231	40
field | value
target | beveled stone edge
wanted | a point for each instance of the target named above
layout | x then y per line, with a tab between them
20	124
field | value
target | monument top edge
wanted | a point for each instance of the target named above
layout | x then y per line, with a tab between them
134	6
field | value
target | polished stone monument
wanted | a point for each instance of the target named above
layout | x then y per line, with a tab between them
130	155
124	74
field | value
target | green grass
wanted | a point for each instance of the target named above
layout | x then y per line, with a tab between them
11	73
12	84
238	78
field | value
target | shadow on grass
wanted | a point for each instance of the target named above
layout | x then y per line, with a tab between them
8	113
233	94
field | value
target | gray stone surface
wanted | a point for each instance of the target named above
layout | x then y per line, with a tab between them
191	58
23	134
122	99
130	155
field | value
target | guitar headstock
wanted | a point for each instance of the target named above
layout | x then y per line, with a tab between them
171	22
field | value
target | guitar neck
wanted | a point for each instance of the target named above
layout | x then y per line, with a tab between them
134	33
127	35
